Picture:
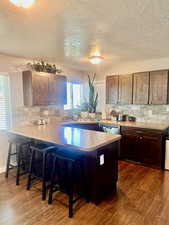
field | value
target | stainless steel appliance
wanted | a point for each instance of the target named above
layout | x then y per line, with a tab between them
121	117
167	154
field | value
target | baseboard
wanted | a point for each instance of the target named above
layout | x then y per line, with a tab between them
2	170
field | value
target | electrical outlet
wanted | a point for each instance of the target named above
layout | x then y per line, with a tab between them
101	159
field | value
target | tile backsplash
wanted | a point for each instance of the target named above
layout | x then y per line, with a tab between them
23	114
144	113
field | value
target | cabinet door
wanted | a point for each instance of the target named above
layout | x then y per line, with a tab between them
130	147
57	90
125	89
40	89
158	87
112	88
62	89
151	151
53	90
140	88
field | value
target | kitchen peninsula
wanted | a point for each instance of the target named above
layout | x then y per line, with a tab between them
99	152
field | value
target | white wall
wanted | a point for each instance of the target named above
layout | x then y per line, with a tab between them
14	66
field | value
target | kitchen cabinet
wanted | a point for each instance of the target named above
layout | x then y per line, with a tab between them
57	90
141	88
143	145
158	87
112	89
125	89
42	89
151	152
128	148
85	126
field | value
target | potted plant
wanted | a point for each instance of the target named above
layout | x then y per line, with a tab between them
42	66
84	110
88	107
93	98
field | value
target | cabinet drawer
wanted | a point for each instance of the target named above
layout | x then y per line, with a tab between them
141	132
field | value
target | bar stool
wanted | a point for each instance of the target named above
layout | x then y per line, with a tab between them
18	157
65	179
40	166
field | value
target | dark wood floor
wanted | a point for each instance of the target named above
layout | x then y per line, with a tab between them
142	199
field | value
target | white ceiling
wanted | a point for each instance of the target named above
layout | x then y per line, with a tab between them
68	31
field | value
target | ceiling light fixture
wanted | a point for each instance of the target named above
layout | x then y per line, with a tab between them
23	3
96	59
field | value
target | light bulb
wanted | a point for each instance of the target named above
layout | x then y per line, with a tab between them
23	3
96	59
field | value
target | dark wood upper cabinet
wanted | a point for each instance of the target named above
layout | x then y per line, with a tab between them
57	90
125	89
112	89
40	88
141	88
158	87
44	89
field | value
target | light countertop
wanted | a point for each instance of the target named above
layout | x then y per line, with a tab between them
148	125
86	140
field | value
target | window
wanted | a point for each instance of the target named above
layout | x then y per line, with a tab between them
74	90
4	102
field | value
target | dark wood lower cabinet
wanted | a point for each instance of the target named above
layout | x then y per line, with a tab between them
85	126
151	150
143	145
129	145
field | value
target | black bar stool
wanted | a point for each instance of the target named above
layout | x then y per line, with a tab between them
40	166
65	179
18	156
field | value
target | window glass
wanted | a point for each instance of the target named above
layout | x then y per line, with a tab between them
4	102
73	95
76	95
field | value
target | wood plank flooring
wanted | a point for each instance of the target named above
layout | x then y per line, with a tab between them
142	199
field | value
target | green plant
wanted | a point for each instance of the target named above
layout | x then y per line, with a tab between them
84	106
44	67
93	98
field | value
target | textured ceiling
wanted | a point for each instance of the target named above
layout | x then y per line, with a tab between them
69	31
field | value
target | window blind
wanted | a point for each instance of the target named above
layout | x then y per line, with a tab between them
4	102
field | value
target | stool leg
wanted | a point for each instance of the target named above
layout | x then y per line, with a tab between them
52	182
44	177
70	194
8	160
30	170
18	155
70	205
